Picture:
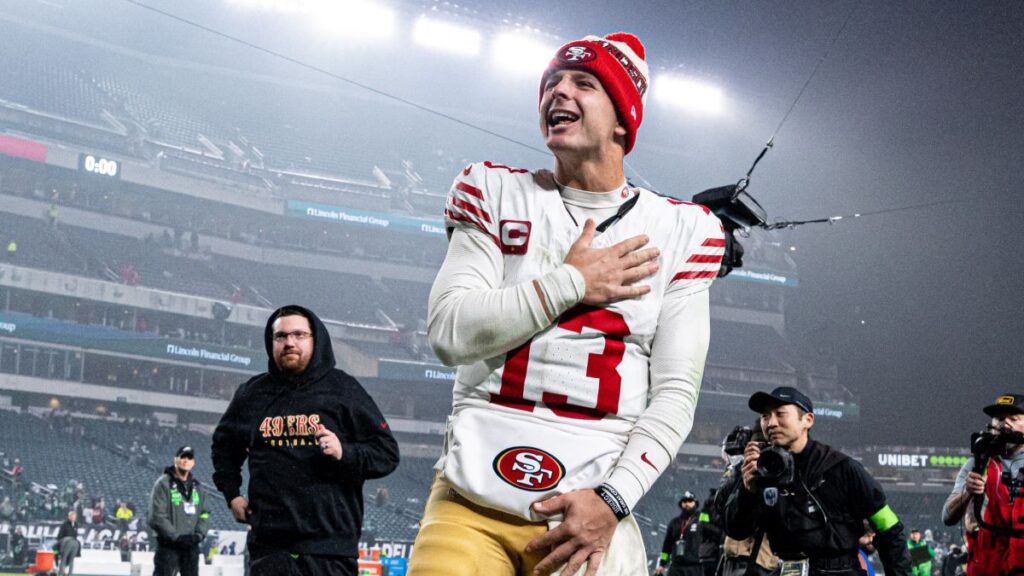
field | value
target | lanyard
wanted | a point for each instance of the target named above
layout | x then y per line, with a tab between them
684	526
624	209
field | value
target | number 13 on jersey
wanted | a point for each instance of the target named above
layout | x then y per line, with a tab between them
600	366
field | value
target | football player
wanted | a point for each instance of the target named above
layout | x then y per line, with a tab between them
576	309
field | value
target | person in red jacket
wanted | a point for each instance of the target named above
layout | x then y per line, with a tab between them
991	552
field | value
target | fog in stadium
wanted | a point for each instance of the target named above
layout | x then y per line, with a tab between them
164	165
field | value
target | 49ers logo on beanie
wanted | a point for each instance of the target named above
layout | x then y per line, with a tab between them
618	61
577	55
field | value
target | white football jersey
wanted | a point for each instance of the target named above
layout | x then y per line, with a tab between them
554	414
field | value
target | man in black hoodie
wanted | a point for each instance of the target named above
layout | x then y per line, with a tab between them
312	436
813	516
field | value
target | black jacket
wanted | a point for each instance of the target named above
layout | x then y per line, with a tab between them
685	527
711	532
178	508
951	562
302	501
67	529
796	524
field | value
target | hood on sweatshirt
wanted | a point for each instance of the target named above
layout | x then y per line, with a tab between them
322	360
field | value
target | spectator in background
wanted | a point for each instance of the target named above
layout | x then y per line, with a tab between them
921	567
6	509
19	547
953	561
68	546
16	472
69	494
85	514
178	515
680	552
124	515
382	497
99	511
865	548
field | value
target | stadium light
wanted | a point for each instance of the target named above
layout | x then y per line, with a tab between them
276	6
340	18
520	53
353	18
445	36
688	94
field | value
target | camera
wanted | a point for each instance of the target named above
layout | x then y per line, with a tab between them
775	467
985	445
737	210
736	442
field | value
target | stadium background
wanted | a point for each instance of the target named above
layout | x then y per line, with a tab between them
167	187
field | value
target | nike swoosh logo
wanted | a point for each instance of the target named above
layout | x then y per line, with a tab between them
466	170
649	463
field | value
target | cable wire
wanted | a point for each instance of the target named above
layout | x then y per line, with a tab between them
330	74
780	224
742	184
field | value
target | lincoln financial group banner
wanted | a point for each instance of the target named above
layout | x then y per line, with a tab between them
414	371
106	338
326	213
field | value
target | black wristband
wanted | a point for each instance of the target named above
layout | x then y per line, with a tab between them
614	501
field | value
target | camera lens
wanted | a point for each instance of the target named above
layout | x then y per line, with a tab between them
775	467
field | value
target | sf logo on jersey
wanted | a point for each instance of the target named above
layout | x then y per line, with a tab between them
578	54
515	236
529	468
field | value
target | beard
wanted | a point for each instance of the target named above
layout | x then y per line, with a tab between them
292	363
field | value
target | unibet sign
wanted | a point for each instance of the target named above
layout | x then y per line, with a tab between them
920	460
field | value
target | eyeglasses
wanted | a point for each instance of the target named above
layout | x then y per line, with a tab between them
298	335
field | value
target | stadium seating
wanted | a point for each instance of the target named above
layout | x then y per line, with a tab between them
94	452
335	295
39	246
50	88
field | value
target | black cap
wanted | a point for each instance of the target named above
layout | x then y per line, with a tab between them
687	496
782	395
185	451
1006	404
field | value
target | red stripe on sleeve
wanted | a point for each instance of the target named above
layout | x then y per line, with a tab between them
719	242
463	205
693	275
471	190
460	218
705	258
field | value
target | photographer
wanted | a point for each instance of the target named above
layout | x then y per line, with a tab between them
991	551
809	498
737	553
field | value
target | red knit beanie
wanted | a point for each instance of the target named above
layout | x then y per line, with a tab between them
618	61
